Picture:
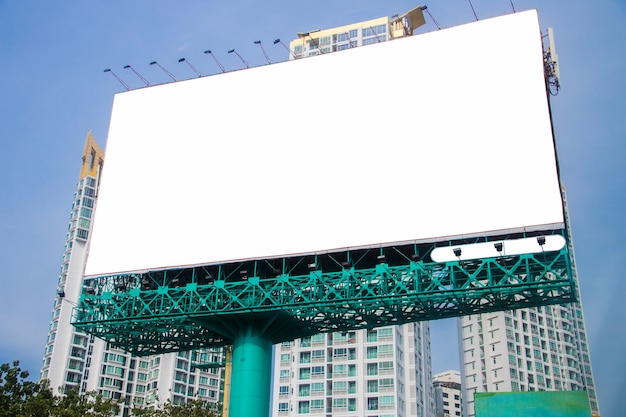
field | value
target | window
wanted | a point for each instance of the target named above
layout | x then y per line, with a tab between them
385	332
305	357
340	369
283	407
317	387
340	403
283	390
351	387
317	370
305	342
387	400
285	358
340	386
385	383
372	369
372	352
385	350
372	336
385	366
305	373
284	373
317	404
318	354
372	385
304	390
340	353
372	403
303	407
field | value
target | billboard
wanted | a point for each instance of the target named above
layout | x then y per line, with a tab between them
426	137
532	404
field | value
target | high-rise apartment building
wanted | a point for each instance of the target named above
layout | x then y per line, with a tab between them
356	34
447	391
381	372
533	349
75	360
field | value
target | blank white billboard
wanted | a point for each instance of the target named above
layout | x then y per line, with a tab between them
436	135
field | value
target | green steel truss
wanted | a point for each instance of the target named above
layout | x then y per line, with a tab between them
283	299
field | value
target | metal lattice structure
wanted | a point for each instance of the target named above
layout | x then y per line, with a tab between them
181	309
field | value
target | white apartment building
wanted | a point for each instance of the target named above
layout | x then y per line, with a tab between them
75	360
532	349
447	392
382	372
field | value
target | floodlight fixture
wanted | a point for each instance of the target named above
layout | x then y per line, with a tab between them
219	64
267	58
541	240
425	9
164	70
499	246
146	82
230	51
118	79
457	252
278	41
194	69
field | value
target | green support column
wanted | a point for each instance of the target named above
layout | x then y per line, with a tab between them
251	374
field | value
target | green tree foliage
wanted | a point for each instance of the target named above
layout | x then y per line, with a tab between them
194	408
89	404
21	398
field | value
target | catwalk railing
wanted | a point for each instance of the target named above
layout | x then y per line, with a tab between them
288	298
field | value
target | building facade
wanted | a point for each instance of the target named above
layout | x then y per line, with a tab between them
75	360
447	392
533	349
382	372
382	29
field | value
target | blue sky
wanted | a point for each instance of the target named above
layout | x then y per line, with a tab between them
53	89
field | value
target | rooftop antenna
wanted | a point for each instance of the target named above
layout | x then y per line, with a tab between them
425	9
473	11
278	41
191	66
512	6
230	51
118	79
267	58
164	70
146	82
216	61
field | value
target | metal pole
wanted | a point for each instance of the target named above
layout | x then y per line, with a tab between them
251	373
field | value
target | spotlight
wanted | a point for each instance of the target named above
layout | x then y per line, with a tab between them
194	69
457	252
499	246
61	294
231	51
381	259
164	70
312	266
267	58
541	240
118	79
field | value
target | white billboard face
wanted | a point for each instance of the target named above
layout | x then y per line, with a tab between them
436	135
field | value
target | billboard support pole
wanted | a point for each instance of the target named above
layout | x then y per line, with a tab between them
251	373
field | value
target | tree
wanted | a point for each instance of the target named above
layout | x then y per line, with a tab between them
90	404
194	408
21	398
